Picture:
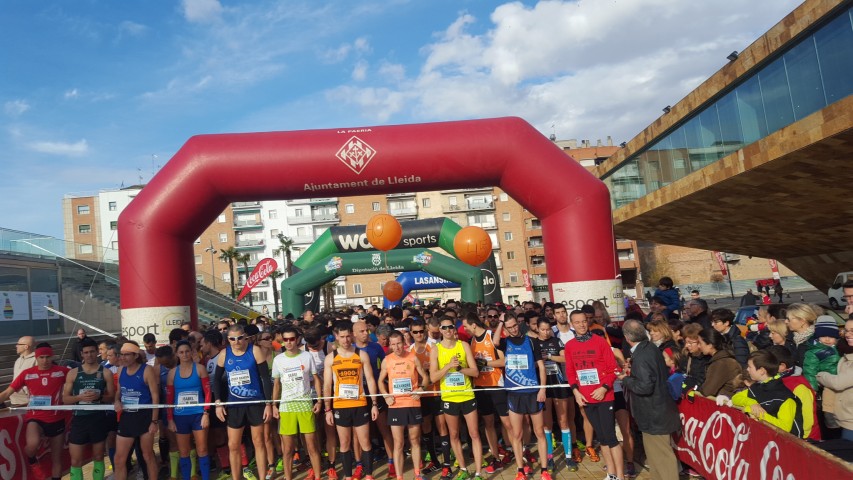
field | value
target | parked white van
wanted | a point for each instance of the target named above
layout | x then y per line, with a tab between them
836	293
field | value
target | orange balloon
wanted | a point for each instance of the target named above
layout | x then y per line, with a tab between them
393	291
472	245
384	232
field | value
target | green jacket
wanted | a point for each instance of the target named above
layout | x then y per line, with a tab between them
819	358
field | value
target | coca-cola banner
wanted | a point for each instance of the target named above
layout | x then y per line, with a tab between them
13	462
724	444
262	270
721	263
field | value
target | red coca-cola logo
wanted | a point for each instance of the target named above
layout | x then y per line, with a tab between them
262	270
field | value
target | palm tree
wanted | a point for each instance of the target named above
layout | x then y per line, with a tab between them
230	254
328	292
285	248
243	259
274	276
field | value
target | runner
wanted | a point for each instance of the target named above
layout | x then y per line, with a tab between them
557	399
44	381
591	370
404	374
316	346
188	384
452	363
217	438
244	371
430	404
294	375
88	384
138	384
524	375
361	340
563	331
344	370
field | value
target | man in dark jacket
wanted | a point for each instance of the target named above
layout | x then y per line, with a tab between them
722	319
651	404
697	309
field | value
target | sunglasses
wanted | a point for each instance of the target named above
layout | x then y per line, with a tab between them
447	327
236	339
265	339
222	329
417	332
288	339
493	316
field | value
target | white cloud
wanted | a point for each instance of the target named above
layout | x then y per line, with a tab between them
201	11
62	148
71	94
359	47
132	28
15	108
359	72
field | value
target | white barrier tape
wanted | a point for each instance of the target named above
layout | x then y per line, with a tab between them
110	407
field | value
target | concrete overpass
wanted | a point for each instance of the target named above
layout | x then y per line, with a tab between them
758	160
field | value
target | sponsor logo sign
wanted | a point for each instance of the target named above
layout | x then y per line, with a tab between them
424	258
356	154
262	270
335	263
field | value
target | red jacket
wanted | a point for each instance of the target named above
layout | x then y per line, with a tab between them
589	365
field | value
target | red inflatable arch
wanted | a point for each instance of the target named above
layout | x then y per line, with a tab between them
157	230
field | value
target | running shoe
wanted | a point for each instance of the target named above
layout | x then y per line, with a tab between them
580	445
358	473
462	475
592	454
311	475
494	466
529	457
630	470
545	475
419	477
520	476
551	467
224	475
430	467
270	472
296	459
445	473
279	466
477	476
332	474
571	465
249	475
392	472
610	476
576	455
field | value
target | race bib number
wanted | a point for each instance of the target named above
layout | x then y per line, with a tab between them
517	362
188	398
402	385
295	376
588	377
40	401
349	392
129	402
455	379
552	369
238	378
90	390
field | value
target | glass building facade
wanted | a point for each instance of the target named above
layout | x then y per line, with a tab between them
799	80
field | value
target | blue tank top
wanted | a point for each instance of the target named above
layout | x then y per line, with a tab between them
134	391
241	373
520	369
188	391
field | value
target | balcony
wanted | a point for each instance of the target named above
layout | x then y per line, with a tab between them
481	205
303	239
243	206
451	208
484	225
248	224
249	244
323	201
400	195
321	217
299	220
403	211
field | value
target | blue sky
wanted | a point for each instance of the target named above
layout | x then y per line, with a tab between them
95	93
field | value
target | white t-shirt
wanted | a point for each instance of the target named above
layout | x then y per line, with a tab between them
296	375
564	337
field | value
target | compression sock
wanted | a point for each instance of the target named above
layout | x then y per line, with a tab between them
567	442
76	473
346	460
165	454
186	466
204	466
111	452
445	449
98	470
174	463
548	440
367	462
429	446
194	461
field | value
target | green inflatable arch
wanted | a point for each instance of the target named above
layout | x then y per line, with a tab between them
362	263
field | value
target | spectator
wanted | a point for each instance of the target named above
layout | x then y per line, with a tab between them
694	362
779	335
661	336
25	348
801	389
669	295
694	295
721	320
724	373
697	310
842	384
77	351
748	299
778	291
821	356
657	306
653	408
801	319
758	333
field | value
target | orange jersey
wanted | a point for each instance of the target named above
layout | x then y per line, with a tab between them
487	350
423	357
403	378
348	371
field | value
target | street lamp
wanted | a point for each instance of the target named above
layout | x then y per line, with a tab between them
212	262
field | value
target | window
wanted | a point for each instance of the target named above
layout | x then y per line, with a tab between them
273	214
259	296
302	231
349	208
298	212
199	279
426	202
510	255
82	209
84	229
86	249
356	288
113	225
198	259
507	236
197	241
274	233
221	218
452	201
513	277
506	216
113	207
223	238
504	197
375	206
226	277
340	289
115	245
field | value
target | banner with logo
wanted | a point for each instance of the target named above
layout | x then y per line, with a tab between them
774	267
13	462
721	262
525	276
724	444
262	270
